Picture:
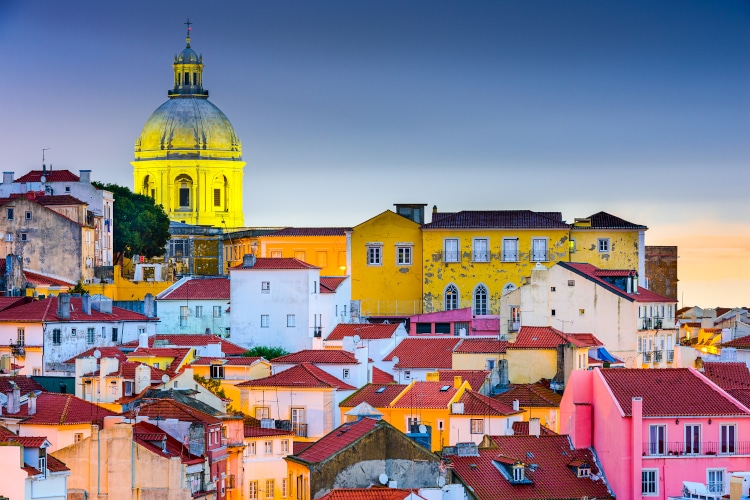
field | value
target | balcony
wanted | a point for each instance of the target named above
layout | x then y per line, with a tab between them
480	257
670	356
658	355
18	350
654	323
702	449
510	257
513	326
451	256
647	357
300	430
230	482
539	256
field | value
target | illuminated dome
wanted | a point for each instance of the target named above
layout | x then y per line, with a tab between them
188	56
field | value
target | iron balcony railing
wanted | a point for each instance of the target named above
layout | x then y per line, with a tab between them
670	356
300	430
651	323
658	355
647	356
539	256
513	325
480	256
703	448
451	256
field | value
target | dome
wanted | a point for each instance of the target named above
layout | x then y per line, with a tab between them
188	56
186	124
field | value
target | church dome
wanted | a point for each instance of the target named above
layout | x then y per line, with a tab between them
188	56
188	125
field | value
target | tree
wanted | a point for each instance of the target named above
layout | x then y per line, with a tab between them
78	289
141	227
266	352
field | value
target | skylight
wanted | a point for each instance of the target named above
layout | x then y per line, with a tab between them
445	388
381	389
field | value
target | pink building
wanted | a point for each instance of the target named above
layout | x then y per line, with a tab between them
657	431
454	322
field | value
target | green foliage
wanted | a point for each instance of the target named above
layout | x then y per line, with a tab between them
214	386
267	352
140	226
78	289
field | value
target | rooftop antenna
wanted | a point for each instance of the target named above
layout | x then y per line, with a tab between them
189	29
44	167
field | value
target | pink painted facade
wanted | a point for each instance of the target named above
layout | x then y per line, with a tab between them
451	322
646	456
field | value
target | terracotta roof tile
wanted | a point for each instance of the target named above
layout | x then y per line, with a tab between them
337	440
381	377
198	289
46	311
429	352
126	370
317	356
56	465
475	378
169	408
498	219
40	279
546	337
55	200
31	471
479	404
376	395
589	272
481	346
302	375
191	340
738	343
668	392
25	384
62	409
106	352
372	493
249	361
522	429
8	302
150	437
603	220
53	176
437	395
265	264
310	231
734	375
530	396
552	478
366	331
177	354
329	284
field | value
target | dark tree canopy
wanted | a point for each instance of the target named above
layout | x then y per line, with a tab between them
140	226
266	352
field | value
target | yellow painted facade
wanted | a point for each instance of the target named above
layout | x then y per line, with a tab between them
619	250
326	252
161	361
381	277
474	361
528	366
548	416
188	157
121	289
233	375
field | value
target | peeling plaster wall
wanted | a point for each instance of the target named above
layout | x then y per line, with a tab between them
624	248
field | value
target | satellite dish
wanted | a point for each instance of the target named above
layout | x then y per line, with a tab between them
422	429
43	179
97	354
383	478
396	360
165	378
357	338
441	481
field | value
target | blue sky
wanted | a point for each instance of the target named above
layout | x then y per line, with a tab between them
638	108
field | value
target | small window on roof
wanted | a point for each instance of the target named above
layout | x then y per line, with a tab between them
445	388
380	389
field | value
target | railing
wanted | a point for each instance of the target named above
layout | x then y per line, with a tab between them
513	325
451	256
480	256
647	357
680	448
658	355
654	323
542	256
230	482
18	350
510	257
670	356
300	430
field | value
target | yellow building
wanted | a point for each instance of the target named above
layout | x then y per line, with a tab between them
170	359
386	262
323	247
230	372
188	157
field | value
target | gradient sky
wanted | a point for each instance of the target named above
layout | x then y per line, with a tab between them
637	108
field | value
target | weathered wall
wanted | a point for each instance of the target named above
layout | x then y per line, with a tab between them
527	366
661	270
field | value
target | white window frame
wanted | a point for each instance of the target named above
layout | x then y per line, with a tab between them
510	255
283	487
270	487
535	257
727	447
265	287
252	493
268	447
654	448
451	300
346	373
603	245
265	321
711	485
404	255
477	253
198	311
374	255
476	426
480	307
252	448
216	372
291	320
652	481
284	446
450	254
217	311
694	447
262	412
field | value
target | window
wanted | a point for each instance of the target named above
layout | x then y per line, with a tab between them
424	328
572	245
284	446
403	256
184	311
24	237
539	250
649	482
269	488
477	426
264	320
481	250
290	320
657	439
77	437
217	197
104	332
250	449
29	216
518	474
603	244
443	328
114	334
715	480
322	258
581	312
9	212
451	298
374	256
510	250
73	332
265	287
692	439
299	426
262	412
217	371
346	373
128	388
283	488
9	237
480	300
407	375
450	252
217	311
728	436
90	333
198	311
253	490
56	336
275	254
268	447
184	197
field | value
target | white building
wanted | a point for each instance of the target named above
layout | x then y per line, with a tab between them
635	324
284	302
349	367
195	305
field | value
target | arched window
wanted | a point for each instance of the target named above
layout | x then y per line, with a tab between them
148	188
480	300
184	186
508	288
451	297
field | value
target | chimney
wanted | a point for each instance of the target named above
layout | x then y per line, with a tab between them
143	340
63	306
8	177
535	427
434	209
86	304
516	405
142	378
85	176
635	283
149	306
14	399
248	260
457	381
31	402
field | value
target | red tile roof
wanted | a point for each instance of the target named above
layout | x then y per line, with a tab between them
551	478
428	352
479	404
106	352
585	340
62	409
198	289
8	302
302	375
522	428
126	370
52	176
337	440
46	311
530	396
8	436
317	356
25	383
589	272
60	199
546	337
310	231
31	471
420	394
498	219
169	408
738	343
40	279
734	375
265	263
381	377
191	340
366	331
603	220
615	272
177	354
481	346
329	284
254	431
475	378
376	395
668	392
372	493
56	465
151	437
249	361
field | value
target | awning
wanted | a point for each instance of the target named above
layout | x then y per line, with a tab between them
603	355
